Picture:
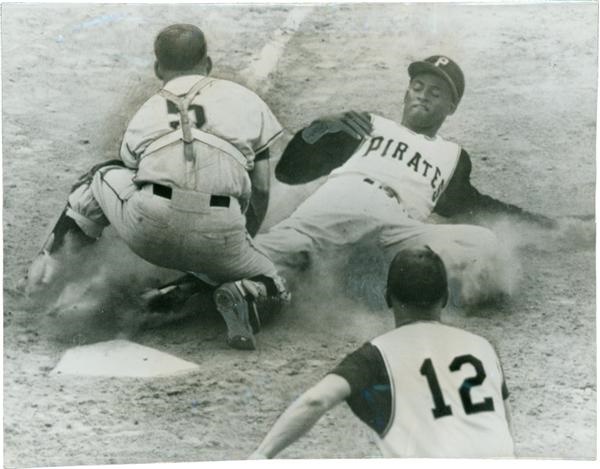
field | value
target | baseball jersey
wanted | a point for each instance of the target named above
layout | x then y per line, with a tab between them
230	125
416	167
303	162
430	390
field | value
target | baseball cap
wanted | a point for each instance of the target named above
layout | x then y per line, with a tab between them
417	277
443	67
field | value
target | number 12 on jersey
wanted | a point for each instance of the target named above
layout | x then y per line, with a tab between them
441	409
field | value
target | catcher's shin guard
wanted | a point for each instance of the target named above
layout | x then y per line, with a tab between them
247	304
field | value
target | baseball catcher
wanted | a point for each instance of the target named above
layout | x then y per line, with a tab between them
193	161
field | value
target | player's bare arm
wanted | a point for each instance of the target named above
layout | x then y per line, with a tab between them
302	414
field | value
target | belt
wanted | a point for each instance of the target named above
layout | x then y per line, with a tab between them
166	192
391	193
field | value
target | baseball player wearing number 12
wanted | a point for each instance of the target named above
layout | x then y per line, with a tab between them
194	163
384	181
426	389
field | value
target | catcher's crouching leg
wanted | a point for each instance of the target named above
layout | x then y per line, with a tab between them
80	223
46	267
248	304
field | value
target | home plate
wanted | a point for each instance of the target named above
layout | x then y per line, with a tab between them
121	358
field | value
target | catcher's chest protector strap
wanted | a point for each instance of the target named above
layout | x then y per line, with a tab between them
183	104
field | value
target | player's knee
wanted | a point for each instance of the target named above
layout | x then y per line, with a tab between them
85	210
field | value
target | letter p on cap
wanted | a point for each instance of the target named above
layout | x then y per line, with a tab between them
441	61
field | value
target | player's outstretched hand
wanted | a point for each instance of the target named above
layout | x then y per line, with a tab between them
356	124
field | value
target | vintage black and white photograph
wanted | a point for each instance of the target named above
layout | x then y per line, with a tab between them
298	231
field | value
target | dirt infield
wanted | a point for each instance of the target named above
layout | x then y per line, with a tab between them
72	75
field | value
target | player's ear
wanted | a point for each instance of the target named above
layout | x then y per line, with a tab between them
157	70
451	108
445	299
209	65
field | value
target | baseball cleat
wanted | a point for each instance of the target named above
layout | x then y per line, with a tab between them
235	309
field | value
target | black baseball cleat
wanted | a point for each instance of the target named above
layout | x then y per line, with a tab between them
236	310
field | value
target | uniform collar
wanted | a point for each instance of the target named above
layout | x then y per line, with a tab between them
414	321
426	137
182	83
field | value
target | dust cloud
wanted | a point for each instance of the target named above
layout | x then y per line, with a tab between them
343	291
97	296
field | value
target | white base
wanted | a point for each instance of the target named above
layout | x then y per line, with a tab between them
121	358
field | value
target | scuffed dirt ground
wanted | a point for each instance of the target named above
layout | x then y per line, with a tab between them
72	75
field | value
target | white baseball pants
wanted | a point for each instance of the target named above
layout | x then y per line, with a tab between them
183	232
346	210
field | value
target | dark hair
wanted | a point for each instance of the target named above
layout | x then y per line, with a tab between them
180	47
417	277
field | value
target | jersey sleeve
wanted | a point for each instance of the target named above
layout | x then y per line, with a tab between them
461	198
361	368
270	128
128	156
302	162
148	124
370	397
500	370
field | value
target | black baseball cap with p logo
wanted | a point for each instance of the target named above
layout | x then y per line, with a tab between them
443	67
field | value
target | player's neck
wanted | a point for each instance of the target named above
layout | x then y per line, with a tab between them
430	132
407	314
168	76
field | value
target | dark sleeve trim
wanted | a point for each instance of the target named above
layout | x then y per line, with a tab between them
371	397
461	198
505	392
268	143
263	155
302	162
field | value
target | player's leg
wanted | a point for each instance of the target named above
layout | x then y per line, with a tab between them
248	304
479	269
211	243
79	224
245	305
338	214
287	245
255	298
